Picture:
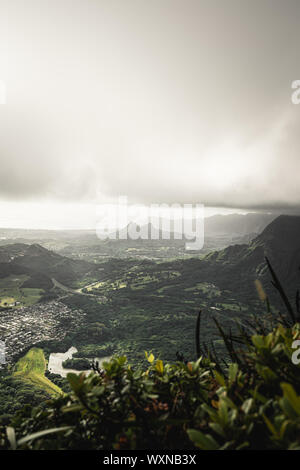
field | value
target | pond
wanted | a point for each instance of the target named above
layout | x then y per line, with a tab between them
56	360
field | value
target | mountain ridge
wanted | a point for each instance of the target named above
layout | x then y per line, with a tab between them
35	260
242	264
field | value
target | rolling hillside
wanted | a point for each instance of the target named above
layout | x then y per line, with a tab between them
31	368
236	267
36	266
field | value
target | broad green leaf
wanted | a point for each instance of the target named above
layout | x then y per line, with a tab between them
246	406
36	435
219	378
232	372
159	366
217	429
151	358
288	408
72	408
270	426
11	436
283	428
223	412
266	373
204	441
258	341
292	396
74	381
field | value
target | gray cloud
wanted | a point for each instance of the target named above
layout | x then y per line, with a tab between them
162	101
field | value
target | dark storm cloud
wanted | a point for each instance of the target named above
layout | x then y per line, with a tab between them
162	101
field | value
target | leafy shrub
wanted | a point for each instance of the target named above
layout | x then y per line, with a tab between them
251	405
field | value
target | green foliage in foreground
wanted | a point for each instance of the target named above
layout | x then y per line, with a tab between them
15	393
252	405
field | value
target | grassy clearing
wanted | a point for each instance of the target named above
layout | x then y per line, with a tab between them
31	368
232	307
206	288
6	301
11	291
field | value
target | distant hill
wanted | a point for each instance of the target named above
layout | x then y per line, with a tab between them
165	238
41	265
151	231
242	264
252	223
236	225
9	252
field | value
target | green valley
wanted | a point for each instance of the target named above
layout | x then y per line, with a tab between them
124	306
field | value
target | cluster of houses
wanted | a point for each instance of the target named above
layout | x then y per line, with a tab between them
25	326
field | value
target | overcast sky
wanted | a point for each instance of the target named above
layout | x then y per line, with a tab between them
161	101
